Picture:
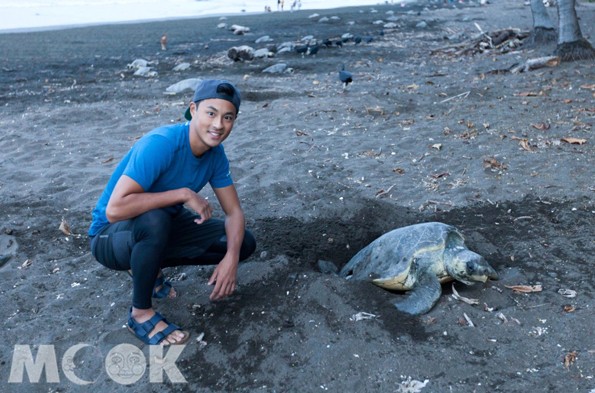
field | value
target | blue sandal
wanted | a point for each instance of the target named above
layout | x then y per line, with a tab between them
142	330
165	285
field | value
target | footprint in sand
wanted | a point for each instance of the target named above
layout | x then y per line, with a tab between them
8	248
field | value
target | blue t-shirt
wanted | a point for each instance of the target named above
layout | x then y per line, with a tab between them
162	160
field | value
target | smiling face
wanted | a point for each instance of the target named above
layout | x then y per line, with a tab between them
212	121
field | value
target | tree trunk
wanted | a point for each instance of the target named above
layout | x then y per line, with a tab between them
544	31
571	44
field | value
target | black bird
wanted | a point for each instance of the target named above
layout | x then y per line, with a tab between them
301	49
312	50
345	76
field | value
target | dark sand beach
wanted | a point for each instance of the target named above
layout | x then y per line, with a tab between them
422	134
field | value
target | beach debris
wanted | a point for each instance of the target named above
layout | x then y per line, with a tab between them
524	143
461	95
538	331
568	308
26	264
503	318
163	42
222	25
183	85
534	64
239	30
493	164
384	193
313	16
262	53
466	321
574	141
146	72
138	63
410	385
200	341
467	300
278	68
64	227
264	38
569	293
241	53
499	41
569	359
525	288
361	316
541	126
181	67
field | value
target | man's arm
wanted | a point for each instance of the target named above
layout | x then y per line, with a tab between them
225	275
129	200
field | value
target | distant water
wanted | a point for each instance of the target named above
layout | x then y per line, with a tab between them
28	15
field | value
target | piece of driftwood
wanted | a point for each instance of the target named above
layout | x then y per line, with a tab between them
539	62
501	41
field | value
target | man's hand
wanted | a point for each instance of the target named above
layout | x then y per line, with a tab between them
201	206
225	278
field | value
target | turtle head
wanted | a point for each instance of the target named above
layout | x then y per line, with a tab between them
468	267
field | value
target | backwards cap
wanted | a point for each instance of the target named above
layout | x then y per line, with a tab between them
216	88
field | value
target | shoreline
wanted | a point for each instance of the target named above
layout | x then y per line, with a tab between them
19	15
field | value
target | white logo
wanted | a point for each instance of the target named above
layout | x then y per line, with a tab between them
124	364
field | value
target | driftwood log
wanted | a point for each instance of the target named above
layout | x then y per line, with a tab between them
500	41
533	64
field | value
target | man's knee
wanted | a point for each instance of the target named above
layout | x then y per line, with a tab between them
248	245
154	224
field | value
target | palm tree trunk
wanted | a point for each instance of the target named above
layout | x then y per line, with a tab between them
544	31
571	43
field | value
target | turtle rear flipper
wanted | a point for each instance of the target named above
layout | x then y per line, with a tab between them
422	297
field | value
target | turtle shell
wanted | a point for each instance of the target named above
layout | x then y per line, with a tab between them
395	259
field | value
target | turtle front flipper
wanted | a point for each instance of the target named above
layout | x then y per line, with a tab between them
422	297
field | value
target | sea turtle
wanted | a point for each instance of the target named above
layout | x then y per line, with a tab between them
418	258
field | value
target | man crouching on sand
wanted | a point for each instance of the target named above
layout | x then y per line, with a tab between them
141	224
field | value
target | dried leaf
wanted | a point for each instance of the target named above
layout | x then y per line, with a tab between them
437	146
541	126
382	193
568	308
439	175
588	87
574	141
492	163
525	288
107	160
65	228
399	171
570	358
467	300
527	94
524	142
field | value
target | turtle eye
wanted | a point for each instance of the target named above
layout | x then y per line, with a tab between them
470	266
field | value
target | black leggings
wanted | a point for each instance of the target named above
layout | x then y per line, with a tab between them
158	239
